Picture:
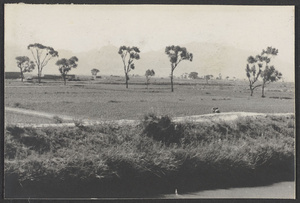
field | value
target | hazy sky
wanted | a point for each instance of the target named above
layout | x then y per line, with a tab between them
150	27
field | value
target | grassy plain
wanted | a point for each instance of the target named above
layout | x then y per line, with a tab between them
108	99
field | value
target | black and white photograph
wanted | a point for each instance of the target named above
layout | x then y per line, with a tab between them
149	101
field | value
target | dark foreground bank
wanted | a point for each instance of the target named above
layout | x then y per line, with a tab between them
281	190
154	158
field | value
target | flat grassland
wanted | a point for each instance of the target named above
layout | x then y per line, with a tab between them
108	99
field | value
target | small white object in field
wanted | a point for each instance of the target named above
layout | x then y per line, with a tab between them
176	193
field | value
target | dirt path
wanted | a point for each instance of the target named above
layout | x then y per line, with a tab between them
38	113
228	116
69	121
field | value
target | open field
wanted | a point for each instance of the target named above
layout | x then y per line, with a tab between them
108	99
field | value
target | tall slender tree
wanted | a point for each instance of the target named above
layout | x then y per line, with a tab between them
41	54
128	55
176	55
65	65
25	65
148	74
253	71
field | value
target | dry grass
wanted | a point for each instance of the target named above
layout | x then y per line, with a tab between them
15	118
126	160
113	101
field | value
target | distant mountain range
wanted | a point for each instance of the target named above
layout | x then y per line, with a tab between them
208	59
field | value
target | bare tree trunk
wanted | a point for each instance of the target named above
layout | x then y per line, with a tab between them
263	90
22	75
172	89
251	90
126	77
39	76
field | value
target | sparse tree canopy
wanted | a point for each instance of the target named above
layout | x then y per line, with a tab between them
95	71
259	67
25	65
128	55
148	74
193	75
65	65
176	55
270	51
41	54
269	74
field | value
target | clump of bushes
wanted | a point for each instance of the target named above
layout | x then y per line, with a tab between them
161	128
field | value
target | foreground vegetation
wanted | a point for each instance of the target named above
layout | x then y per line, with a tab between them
155	157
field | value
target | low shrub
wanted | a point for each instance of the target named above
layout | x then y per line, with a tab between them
57	119
161	128
18	105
